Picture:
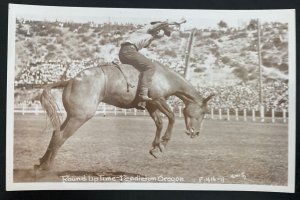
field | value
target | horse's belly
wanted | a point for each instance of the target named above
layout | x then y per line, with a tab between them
121	98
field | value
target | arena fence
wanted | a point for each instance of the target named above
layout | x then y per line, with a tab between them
229	114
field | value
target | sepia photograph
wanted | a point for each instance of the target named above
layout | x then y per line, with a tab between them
150	99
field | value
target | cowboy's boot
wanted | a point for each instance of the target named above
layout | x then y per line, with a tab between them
143	95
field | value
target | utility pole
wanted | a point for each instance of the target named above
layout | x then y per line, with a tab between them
261	99
187	54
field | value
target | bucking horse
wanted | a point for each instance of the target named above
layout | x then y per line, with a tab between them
107	83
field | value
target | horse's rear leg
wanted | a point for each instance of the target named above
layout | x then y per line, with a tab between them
68	128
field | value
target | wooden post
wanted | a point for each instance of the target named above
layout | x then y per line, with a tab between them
23	108
253	114
134	111
220	113
262	113
179	107
125	112
144	112
284	115
104	109
260	82
187	55
236	114
273	115
36	109
172	109
245	115
228	116
115	111
212	113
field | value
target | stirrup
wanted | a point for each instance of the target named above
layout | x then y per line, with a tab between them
141	105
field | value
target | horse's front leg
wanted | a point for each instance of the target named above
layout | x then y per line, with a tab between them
164	108
154	113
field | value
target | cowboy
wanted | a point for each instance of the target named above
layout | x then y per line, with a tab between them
129	54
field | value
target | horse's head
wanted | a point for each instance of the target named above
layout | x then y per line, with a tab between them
194	114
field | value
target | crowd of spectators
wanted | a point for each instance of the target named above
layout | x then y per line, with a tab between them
247	96
45	72
40	73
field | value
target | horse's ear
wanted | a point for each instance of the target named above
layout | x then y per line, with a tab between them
204	102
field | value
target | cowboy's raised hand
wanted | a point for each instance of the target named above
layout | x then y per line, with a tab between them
159	34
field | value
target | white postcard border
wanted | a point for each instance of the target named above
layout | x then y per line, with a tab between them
15	9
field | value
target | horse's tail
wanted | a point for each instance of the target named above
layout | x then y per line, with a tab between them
49	105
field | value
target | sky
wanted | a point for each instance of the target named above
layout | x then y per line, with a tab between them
195	18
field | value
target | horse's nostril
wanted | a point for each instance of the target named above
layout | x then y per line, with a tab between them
197	133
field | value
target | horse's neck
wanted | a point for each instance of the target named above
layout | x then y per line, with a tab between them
185	91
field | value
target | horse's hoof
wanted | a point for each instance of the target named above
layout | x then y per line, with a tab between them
36	167
155	152
152	153
38	172
42	167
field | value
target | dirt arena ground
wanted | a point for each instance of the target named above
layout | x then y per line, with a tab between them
225	152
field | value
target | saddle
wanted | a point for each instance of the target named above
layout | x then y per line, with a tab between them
141	104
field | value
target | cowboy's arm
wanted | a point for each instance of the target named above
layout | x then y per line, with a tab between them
158	35
141	40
